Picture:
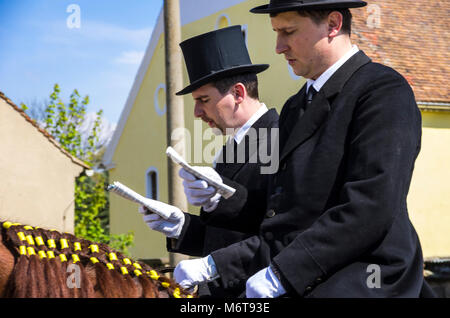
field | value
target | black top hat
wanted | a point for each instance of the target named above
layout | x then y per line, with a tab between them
215	55
276	6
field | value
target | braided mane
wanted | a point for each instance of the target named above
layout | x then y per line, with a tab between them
46	262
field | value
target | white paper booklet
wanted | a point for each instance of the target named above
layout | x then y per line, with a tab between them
223	189
131	195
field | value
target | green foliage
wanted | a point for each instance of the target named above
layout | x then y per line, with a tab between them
63	122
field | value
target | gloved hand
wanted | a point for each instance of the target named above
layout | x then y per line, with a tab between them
192	272
264	284
199	192
171	227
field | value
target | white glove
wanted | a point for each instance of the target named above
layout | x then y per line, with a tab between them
199	192
264	284
171	227
192	272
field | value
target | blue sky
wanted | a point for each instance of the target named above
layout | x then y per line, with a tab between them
100	59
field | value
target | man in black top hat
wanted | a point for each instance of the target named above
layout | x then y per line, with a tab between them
224	85
336	220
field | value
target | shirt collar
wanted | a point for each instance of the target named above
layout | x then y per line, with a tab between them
322	79
241	132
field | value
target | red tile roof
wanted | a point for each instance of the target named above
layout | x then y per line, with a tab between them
413	38
43	131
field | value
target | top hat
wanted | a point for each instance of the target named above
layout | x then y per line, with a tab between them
276	6
216	55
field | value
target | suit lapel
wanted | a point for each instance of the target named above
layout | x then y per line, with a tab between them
318	111
307	124
251	146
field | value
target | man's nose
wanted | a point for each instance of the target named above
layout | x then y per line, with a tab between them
281	46
198	111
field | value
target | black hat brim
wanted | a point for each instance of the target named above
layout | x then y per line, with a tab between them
331	4
232	71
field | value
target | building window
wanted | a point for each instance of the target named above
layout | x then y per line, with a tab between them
159	99
152	183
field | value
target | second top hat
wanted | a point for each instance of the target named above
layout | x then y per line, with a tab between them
215	55
276	6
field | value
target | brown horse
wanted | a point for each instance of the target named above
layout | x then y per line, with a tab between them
39	263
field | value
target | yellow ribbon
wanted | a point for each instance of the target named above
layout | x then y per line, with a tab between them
165	284
77	246
94	248
39	240
42	254
27	227
7	225
110	266
124	270
94	260
31	251
50	254
137	272
30	239
112	257
51	243
21	236
63	258
22	250
153	275
176	293
64	243
137	265
75	258
126	261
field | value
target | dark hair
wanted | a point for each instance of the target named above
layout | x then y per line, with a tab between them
249	80
319	15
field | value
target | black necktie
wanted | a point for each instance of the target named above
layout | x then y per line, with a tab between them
291	120
310	95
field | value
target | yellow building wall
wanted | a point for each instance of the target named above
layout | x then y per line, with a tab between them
429	195
143	141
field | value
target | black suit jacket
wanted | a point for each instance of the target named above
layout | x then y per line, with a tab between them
198	239
336	213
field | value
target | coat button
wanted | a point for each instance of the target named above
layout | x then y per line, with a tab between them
268	236
319	280
271	213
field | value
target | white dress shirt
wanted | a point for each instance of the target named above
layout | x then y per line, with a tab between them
241	132
322	79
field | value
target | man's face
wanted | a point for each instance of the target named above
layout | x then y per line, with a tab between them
302	42
217	110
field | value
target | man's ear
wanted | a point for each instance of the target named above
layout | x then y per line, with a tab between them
239	92
335	20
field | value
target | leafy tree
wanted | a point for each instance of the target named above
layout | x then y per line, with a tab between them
63	122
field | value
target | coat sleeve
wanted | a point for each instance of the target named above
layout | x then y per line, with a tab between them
191	239
242	212
383	143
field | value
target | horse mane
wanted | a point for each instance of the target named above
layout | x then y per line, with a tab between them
44	260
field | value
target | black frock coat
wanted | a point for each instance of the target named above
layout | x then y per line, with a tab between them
336	212
198	239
